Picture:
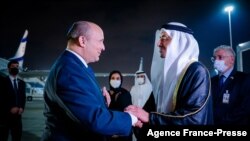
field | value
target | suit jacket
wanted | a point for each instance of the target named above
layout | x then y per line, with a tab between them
10	99
75	108
236	111
3	103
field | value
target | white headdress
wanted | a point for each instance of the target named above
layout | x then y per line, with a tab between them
182	49
141	93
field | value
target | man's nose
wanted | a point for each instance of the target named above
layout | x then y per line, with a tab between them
103	48
159	43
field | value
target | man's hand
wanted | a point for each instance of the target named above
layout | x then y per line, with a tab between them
105	93
138	124
14	110
20	111
141	114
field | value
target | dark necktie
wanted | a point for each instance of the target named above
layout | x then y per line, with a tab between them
221	82
15	85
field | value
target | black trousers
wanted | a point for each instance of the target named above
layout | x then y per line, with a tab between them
13	127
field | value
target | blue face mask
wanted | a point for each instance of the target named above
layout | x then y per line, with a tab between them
220	65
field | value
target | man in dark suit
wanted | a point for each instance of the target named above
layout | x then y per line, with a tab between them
13	102
230	90
75	106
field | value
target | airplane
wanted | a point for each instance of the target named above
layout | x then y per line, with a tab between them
44	73
18	56
34	86
34	78
24	72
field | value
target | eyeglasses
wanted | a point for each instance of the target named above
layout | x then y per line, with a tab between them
219	57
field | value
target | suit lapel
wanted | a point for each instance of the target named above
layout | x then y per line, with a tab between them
91	76
227	84
88	71
229	80
11	85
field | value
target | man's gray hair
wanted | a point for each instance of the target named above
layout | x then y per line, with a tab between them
80	28
226	48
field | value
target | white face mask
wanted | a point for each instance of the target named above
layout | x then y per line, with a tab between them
140	81
115	83
220	65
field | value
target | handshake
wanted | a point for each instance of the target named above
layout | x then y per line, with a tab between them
138	115
141	116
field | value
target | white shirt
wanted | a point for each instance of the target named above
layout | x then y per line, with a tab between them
227	73
79	57
12	80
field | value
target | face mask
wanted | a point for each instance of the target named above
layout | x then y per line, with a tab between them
115	83
140	81
13	71
220	65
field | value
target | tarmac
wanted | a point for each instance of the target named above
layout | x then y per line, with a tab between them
33	121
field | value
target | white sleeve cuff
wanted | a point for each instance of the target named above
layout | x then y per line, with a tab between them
133	118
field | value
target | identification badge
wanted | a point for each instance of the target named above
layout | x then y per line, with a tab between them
226	97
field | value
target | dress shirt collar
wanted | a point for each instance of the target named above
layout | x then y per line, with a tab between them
79	57
227	73
12	78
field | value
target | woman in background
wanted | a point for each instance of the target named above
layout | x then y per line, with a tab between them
120	99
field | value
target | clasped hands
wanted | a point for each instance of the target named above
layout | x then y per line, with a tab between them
142	115
16	110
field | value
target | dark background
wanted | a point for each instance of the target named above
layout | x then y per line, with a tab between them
129	27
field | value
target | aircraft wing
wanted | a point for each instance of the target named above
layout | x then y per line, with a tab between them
107	74
45	73
34	73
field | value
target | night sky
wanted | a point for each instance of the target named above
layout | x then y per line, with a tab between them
129	28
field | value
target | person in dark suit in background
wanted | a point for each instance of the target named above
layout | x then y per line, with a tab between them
75	106
120	99
3	111
230	89
13	100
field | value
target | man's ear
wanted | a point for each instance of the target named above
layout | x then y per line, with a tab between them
232	60
82	41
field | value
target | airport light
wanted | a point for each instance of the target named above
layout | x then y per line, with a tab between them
229	9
